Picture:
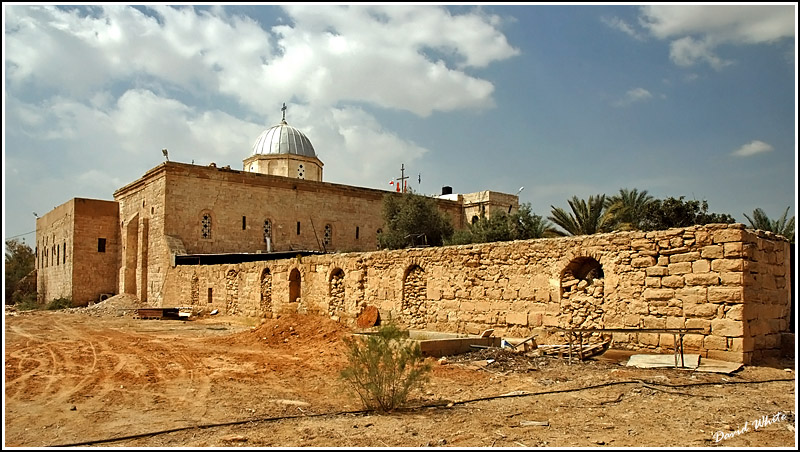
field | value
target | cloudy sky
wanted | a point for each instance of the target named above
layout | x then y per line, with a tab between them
694	101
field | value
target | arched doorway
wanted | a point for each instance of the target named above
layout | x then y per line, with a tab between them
294	285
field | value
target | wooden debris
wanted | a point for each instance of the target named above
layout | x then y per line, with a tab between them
534	424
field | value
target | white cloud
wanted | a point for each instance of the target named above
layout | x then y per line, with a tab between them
696	31
618	24
329	54
688	51
749	24
752	148
328	57
632	96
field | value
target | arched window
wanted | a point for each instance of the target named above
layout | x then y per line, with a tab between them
326	238
267	231
205	222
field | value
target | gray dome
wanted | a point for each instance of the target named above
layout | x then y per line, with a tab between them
283	139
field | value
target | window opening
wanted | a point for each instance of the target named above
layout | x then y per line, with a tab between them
326	238
206	226
101	245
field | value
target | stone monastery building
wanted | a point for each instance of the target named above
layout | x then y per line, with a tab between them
274	238
278	205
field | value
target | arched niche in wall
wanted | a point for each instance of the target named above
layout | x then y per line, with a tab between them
582	291
294	285
336	291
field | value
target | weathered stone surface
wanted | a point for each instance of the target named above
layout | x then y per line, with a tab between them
702	279
680	268
712	252
517	318
704	310
727	265
684	257
726	327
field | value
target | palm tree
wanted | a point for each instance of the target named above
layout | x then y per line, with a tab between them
628	208
586	218
780	226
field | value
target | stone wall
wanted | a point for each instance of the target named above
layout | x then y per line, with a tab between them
731	282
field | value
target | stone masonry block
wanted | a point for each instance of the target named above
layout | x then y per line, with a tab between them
684	257
654	322
699	323
649	339
680	268
656	271
727	265
734	357
658	294
731	278
700	310
715	343
728	235
517	318
675	322
672	281
725	294
727	328
735	312
712	252
652	282
701	266
641	262
702	279
733	250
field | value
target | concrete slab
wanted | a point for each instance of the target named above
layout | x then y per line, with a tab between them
658	361
717	366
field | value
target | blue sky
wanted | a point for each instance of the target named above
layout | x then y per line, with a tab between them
563	100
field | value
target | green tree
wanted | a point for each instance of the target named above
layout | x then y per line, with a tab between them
677	213
412	219
19	263
527	225
628	208
781	226
500	226
586	218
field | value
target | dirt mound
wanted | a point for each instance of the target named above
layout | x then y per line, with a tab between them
118	305
291	330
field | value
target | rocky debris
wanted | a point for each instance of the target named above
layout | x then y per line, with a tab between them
116	306
502	360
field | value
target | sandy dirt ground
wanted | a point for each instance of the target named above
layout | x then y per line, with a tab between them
91	378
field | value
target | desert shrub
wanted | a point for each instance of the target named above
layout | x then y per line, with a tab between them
383	368
27	302
59	303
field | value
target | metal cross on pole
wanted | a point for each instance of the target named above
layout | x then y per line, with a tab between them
283	109
402	178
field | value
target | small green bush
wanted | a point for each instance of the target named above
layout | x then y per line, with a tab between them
27	302
59	303
384	368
